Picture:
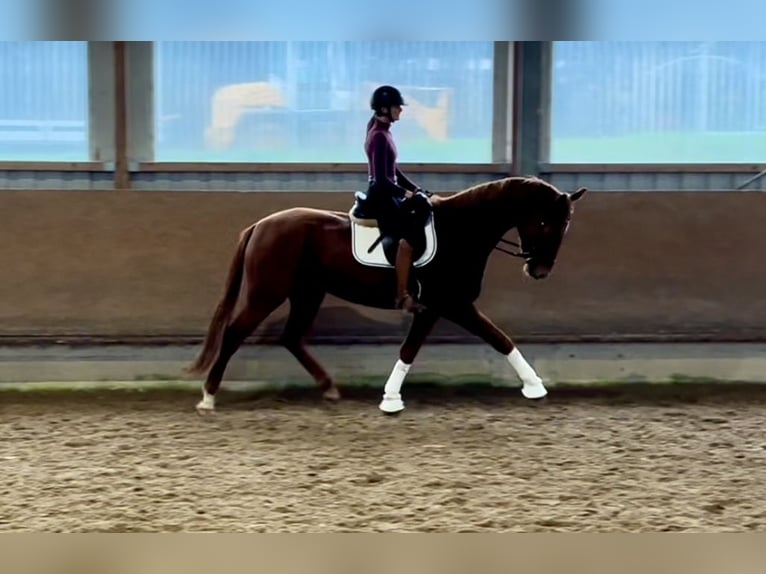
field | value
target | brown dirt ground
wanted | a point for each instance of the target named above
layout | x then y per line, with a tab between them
637	458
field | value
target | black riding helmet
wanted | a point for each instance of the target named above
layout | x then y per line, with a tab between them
385	97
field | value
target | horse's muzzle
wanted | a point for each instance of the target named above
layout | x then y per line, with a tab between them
536	270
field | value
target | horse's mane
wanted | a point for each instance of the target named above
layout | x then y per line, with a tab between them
496	189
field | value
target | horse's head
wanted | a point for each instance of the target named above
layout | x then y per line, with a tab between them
542	230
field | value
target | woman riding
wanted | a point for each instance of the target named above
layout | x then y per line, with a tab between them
390	190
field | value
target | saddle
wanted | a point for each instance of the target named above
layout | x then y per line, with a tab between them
365	213
362	212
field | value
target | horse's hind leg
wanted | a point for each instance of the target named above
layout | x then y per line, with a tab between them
235	334
304	306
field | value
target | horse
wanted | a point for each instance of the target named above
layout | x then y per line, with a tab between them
301	254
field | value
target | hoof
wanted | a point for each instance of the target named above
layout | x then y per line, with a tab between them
331	394
391	406
204	411
534	391
206	405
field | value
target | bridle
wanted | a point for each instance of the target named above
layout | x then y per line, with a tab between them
522	254
527	255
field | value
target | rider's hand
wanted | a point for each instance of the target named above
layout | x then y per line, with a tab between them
408	194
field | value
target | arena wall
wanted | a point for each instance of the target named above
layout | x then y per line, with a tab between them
150	265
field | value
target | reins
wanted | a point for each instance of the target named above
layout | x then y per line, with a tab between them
522	254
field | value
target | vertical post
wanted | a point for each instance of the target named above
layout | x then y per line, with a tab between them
140	104
121	171
101	102
502	102
531	106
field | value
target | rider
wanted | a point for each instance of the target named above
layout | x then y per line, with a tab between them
390	189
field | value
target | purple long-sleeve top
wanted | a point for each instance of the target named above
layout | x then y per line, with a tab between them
381	157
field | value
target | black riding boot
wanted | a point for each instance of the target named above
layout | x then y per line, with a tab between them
403	267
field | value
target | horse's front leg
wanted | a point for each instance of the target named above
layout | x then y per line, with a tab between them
476	323
422	323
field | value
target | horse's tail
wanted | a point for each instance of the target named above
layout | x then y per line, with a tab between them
222	315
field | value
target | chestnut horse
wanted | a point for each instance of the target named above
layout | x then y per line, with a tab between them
301	254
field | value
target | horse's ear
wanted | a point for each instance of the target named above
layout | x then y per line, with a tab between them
578	194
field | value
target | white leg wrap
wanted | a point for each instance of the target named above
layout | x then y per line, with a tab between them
392	398
207	403
533	387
